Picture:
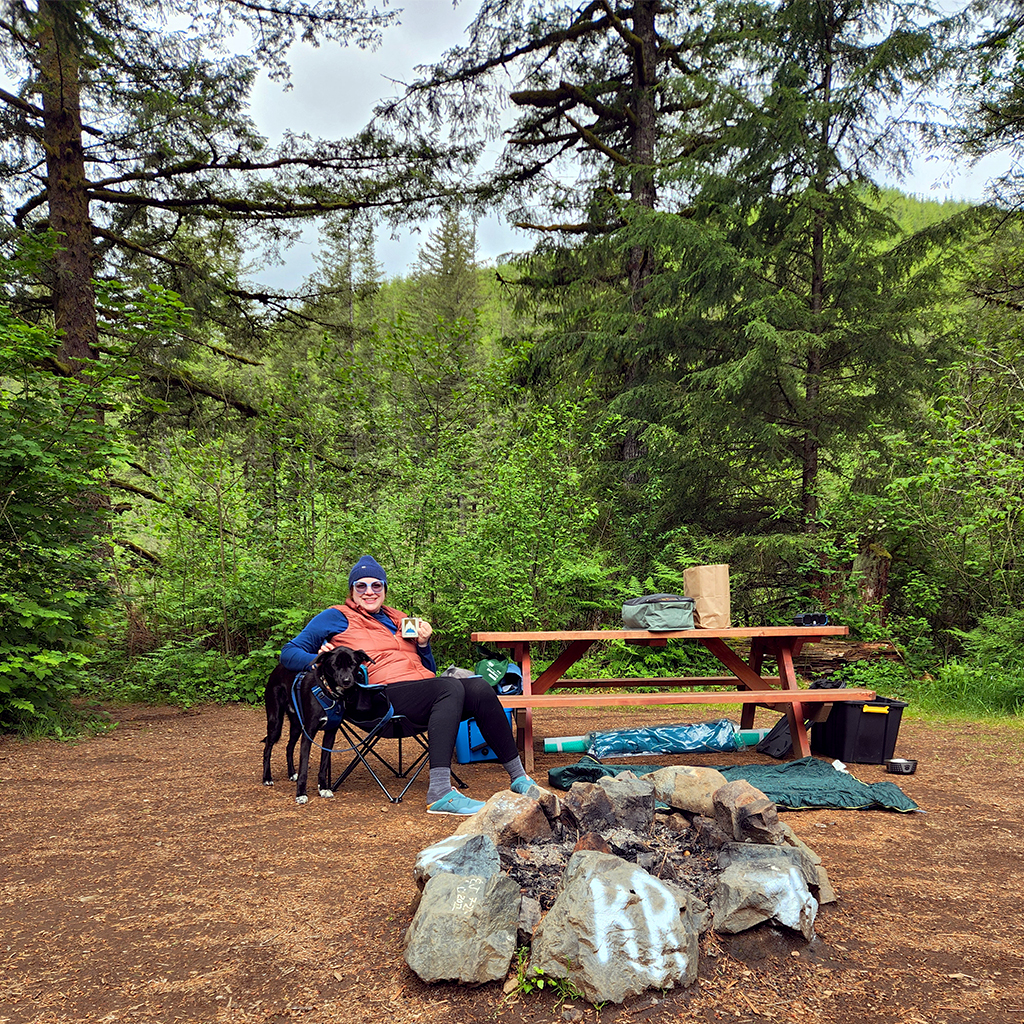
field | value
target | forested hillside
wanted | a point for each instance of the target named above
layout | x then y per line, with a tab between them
729	344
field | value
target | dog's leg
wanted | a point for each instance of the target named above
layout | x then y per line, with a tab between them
324	778
294	732
274	696
300	783
312	718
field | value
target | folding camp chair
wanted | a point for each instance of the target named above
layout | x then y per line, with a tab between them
370	718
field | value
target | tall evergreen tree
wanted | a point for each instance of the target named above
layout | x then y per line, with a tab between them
126	137
433	343
804	307
764	306
989	104
444	276
989	120
608	96
599	90
131	163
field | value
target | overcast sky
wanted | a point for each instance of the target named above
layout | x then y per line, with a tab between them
334	92
333	95
335	89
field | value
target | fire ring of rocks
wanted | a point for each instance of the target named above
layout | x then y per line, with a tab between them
610	885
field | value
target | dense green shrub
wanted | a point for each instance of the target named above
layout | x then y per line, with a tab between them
958	688
53	513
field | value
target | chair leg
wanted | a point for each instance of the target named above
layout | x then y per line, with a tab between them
420	757
363	748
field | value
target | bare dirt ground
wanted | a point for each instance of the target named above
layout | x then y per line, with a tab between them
147	875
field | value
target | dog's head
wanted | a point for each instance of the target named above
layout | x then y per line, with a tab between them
339	670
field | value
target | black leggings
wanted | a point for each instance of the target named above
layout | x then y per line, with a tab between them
439	703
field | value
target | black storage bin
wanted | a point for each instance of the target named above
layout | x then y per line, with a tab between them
859	731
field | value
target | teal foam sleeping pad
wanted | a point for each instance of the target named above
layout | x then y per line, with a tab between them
802	785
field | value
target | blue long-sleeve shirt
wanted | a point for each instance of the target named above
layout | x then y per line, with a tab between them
300	652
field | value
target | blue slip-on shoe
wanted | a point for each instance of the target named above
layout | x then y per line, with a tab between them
454	802
523	785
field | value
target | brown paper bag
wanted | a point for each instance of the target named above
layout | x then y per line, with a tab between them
708	585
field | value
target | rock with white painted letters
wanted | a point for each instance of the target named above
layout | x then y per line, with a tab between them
615	931
763	883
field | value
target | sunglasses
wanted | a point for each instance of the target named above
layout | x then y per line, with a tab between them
376	586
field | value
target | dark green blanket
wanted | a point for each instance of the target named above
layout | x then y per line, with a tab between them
799	785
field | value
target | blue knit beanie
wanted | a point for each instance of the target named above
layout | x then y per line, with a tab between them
367	568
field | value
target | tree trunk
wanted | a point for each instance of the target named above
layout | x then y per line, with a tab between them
811	445
73	295
643	192
643	189
871	571
74	299
812	440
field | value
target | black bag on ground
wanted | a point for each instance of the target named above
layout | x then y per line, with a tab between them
779	742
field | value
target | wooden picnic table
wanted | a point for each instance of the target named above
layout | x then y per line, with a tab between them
750	688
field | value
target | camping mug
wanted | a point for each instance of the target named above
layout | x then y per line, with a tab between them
410	628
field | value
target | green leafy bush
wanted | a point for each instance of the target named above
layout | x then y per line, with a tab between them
53	515
962	689
958	688
185	672
887	678
996	643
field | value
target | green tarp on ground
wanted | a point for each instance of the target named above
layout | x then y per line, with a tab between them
800	785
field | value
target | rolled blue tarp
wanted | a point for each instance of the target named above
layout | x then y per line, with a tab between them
687	738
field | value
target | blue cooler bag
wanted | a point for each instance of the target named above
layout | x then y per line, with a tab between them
470	745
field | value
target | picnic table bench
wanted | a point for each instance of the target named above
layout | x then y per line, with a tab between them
749	687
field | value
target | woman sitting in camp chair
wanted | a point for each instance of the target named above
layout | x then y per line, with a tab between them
406	666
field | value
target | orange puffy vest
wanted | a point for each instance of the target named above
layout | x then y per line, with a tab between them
394	659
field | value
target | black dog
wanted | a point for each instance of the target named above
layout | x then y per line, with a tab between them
330	677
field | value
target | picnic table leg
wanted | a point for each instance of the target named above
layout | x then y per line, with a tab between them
756	661
794	711
524	720
524	737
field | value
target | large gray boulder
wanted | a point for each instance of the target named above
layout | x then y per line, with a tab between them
464	929
764	883
746	814
457	855
509	819
687	788
621	801
615	931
